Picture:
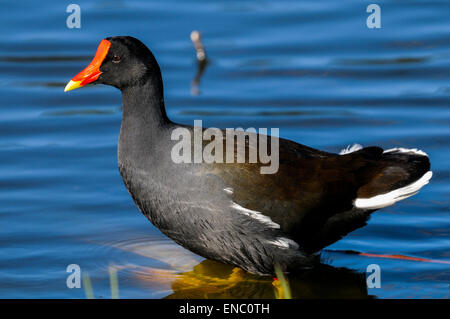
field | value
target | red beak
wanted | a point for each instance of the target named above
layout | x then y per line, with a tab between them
92	71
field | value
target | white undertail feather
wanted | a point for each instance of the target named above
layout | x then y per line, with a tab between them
356	147
350	149
394	196
406	150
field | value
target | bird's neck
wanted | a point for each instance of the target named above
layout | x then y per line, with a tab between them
143	104
144	121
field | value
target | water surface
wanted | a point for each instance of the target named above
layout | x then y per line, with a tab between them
311	68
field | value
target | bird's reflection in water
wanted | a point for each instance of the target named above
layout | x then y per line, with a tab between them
214	280
185	275
211	279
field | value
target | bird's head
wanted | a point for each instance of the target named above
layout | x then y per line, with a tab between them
121	62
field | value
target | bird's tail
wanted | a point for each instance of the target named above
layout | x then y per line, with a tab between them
400	174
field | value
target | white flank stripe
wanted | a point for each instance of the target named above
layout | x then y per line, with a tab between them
283	242
228	190
256	215
350	149
394	196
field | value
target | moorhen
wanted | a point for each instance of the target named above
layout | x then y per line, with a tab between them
231	212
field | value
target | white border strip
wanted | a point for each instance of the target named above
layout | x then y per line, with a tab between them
394	196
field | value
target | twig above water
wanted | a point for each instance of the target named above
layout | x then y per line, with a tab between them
202	61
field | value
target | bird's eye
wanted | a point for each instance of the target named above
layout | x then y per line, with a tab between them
116	59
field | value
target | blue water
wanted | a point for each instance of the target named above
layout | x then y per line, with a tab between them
311	68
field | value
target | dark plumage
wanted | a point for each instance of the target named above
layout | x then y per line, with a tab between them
221	211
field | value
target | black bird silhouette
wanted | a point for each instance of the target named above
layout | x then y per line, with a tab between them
230	212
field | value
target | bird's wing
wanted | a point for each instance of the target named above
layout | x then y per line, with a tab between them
311	195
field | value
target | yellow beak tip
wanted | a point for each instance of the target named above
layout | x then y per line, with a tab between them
72	85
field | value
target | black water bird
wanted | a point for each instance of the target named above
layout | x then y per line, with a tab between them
230	212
